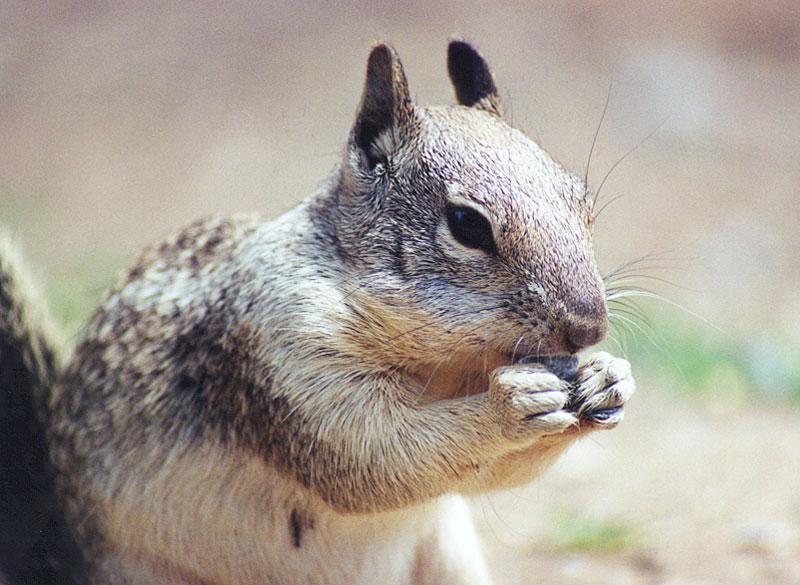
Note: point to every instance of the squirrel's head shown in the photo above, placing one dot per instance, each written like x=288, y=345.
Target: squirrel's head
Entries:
x=460, y=234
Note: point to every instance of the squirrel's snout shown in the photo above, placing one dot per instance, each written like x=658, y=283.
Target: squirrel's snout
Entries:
x=585, y=325
x=581, y=334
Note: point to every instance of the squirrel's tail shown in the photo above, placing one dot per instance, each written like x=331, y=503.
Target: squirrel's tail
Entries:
x=35, y=545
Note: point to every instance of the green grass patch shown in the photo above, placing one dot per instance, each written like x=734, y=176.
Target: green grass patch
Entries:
x=576, y=532
x=74, y=297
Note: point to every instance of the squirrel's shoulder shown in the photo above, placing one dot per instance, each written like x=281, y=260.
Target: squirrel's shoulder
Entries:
x=216, y=242
x=197, y=244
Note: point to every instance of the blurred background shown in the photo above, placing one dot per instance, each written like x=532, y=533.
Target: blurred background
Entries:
x=120, y=123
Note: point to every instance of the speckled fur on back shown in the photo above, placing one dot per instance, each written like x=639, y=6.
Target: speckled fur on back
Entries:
x=300, y=400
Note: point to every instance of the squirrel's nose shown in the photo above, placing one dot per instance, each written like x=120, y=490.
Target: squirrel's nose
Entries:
x=585, y=327
x=581, y=334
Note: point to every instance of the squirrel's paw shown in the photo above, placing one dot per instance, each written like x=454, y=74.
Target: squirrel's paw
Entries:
x=603, y=386
x=530, y=402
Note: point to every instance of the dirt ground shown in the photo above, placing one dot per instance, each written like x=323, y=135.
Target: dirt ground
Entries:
x=120, y=122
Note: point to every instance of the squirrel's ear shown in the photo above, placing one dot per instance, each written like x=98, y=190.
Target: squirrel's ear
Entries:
x=472, y=79
x=385, y=103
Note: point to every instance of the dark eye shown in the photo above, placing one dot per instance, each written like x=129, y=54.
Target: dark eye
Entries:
x=470, y=228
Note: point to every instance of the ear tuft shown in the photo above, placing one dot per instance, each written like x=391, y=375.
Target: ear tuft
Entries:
x=385, y=103
x=472, y=78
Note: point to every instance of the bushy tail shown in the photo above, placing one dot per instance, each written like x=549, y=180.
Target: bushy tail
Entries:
x=35, y=545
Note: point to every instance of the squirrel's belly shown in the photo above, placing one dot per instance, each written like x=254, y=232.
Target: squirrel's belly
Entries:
x=217, y=518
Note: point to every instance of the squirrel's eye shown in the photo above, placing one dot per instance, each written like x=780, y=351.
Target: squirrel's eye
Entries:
x=470, y=228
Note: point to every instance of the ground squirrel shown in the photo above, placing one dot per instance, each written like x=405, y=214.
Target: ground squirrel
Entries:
x=305, y=400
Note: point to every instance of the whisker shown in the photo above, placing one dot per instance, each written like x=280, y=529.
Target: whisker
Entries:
x=635, y=272
x=633, y=308
x=635, y=316
x=639, y=276
x=351, y=292
x=516, y=347
x=507, y=526
x=485, y=364
x=640, y=329
x=596, y=214
x=438, y=365
x=597, y=131
x=624, y=156
x=646, y=294
x=624, y=329
x=482, y=498
x=616, y=342
x=639, y=264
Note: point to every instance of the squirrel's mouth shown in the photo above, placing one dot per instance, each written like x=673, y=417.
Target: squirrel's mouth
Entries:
x=563, y=366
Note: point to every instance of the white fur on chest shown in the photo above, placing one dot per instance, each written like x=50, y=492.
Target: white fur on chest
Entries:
x=222, y=519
